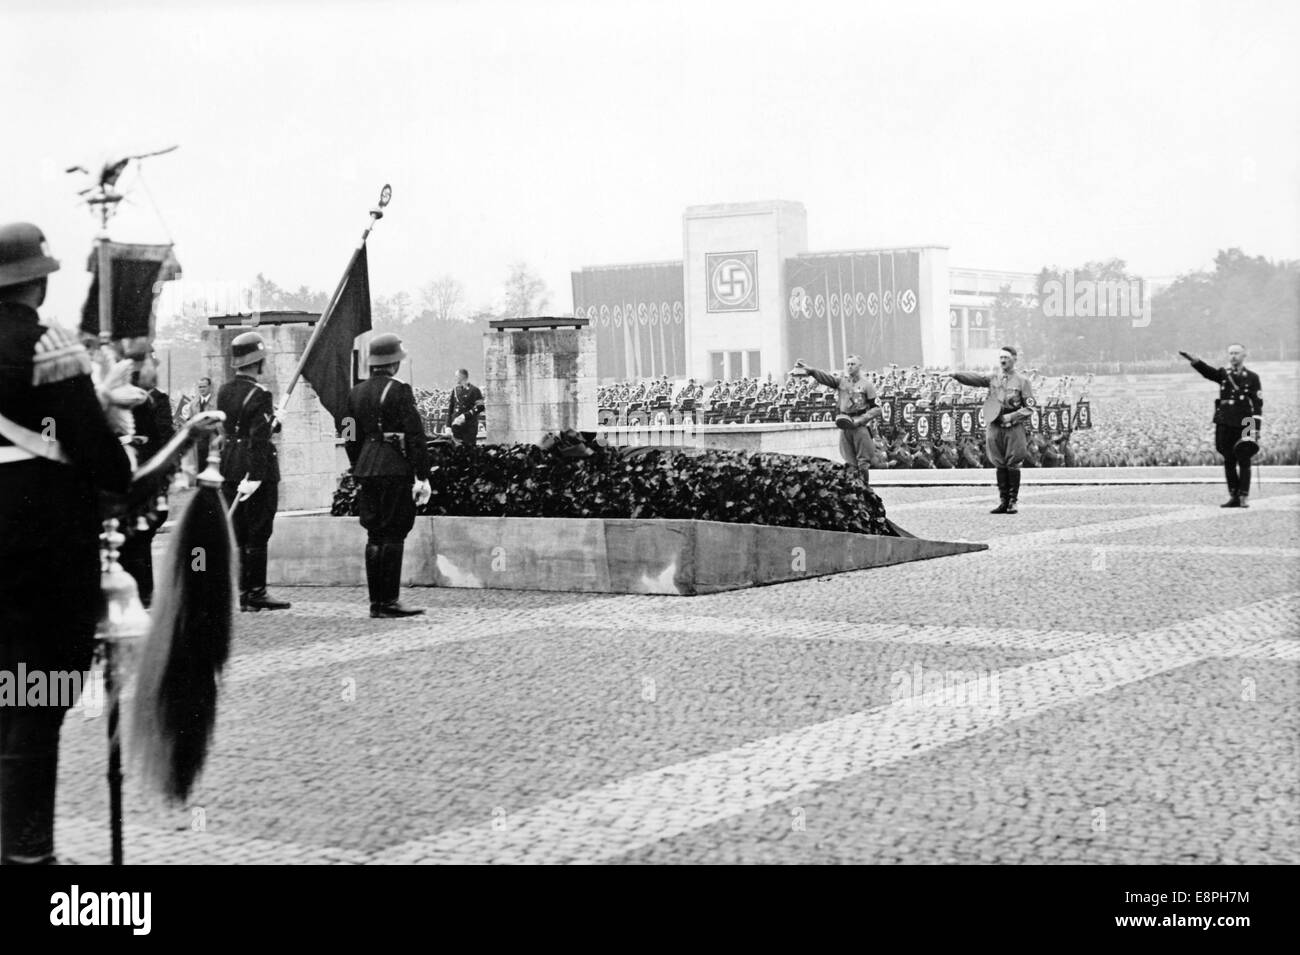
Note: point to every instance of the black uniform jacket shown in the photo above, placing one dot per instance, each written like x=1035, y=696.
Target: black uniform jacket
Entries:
x=370, y=454
x=153, y=422
x=465, y=400
x=1240, y=394
x=63, y=404
x=247, y=449
x=49, y=511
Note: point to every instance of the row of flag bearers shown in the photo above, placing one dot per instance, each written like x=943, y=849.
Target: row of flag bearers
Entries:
x=385, y=443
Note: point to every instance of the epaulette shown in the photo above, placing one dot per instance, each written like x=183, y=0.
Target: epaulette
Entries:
x=58, y=357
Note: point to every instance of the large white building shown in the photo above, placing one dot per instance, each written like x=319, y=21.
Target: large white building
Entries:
x=748, y=298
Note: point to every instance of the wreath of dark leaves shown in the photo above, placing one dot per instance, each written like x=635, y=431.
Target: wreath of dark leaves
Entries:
x=523, y=480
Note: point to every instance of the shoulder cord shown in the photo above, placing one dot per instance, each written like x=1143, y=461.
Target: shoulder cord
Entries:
x=379, y=412
x=239, y=422
x=1232, y=383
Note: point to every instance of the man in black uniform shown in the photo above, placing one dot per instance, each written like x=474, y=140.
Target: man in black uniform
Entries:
x=390, y=461
x=250, y=467
x=1007, y=410
x=153, y=429
x=57, y=452
x=1238, y=417
x=463, y=409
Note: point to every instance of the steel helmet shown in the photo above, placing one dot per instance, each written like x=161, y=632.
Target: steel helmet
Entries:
x=385, y=349
x=247, y=349
x=24, y=254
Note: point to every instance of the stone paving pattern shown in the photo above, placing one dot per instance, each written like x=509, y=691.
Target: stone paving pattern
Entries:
x=1116, y=680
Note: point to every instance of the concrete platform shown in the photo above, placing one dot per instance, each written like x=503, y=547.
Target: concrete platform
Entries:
x=587, y=555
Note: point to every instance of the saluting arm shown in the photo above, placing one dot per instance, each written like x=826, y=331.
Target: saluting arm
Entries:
x=970, y=379
x=823, y=377
x=1213, y=374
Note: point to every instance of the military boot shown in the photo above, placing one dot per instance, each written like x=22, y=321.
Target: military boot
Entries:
x=27, y=789
x=390, y=561
x=1243, y=499
x=374, y=576
x=1004, y=492
x=257, y=597
x=1013, y=489
x=1234, y=499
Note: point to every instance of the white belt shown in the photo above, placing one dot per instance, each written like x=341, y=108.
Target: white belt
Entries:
x=11, y=453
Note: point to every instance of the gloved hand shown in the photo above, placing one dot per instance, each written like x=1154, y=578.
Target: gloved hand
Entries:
x=117, y=396
x=247, y=489
x=458, y=420
x=421, y=492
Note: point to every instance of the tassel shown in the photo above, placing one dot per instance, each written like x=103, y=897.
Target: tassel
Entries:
x=188, y=644
x=57, y=357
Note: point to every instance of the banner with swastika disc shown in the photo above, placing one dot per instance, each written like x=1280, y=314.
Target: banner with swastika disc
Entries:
x=636, y=312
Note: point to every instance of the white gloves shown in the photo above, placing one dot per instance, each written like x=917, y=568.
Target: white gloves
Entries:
x=117, y=396
x=421, y=492
x=247, y=489
x=458, y=420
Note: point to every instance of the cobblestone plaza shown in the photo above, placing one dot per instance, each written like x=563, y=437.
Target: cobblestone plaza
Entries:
x=1116, y=680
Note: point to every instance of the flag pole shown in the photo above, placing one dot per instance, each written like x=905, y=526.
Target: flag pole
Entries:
x=377, y=213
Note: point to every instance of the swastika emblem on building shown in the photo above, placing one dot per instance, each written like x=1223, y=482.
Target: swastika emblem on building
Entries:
x=873, y=304
x=907, y=301
x=889, y=302
x=799, y=306
x=732, y=281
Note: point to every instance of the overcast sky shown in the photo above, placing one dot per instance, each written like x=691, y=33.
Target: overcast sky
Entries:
x=567, y=134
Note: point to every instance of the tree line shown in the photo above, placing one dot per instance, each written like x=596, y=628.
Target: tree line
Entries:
x=1244, y=298
x=439, y=328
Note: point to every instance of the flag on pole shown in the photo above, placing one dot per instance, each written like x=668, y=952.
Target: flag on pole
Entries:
x=328, y=363
x=138, y=273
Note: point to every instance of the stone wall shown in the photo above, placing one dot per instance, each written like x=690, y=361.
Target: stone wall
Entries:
x=819, y=439
x=311, y=458
x=587, y=555
x=538, y=380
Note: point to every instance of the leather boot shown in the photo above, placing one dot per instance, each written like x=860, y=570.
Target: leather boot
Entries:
x=374, y=575
x=1013, y=489
x=1004, y=491
x=1243, y=499
x=27, y=789
x=391, y=563
x=257, y=597
x=1234, y=499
